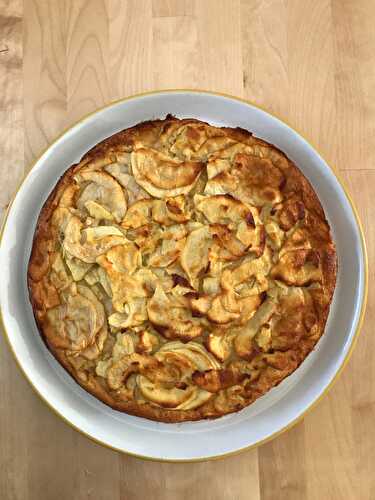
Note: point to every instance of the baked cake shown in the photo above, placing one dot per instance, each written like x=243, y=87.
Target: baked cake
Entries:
x=180, y=271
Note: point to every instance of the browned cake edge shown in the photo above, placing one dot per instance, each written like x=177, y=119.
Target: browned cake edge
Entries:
x=39, y=264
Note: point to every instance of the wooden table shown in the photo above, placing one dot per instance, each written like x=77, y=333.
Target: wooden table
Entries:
x=310, y=61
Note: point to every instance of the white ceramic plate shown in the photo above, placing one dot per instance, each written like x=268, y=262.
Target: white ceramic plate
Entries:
x=269, y=415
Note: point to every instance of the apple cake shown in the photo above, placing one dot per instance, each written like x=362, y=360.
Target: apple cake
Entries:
x=180, y=271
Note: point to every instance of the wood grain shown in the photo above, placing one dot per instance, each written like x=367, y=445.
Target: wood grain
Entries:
x=130, y=43
x=312, y=63
x=172, y=8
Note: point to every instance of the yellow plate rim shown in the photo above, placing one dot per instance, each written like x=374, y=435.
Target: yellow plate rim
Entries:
x=360, y=320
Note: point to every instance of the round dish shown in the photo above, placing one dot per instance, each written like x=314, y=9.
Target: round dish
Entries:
x=270, y=414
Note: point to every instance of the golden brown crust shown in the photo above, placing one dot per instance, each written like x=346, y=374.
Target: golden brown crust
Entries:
x=203, y=320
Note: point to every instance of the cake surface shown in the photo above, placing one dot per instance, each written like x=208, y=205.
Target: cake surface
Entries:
x=181, y=270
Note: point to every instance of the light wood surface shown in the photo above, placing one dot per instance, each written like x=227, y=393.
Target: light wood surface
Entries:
x=310, y=61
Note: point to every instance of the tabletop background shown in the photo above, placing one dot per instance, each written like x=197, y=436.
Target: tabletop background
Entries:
x=312, y=62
